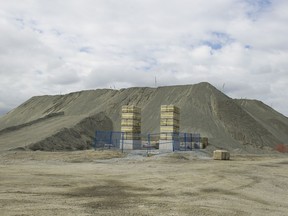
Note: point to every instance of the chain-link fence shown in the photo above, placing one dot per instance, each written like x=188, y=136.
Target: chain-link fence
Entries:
x=115, y=140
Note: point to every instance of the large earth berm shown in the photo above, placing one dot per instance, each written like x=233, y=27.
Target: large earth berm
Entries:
x=68, y=122
x=79, y=137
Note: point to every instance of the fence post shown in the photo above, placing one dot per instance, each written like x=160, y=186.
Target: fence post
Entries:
x=122, y=139
x=173, y=135
x=111, y=134
x=185, y=141
x=149, y=139
x=95, y=141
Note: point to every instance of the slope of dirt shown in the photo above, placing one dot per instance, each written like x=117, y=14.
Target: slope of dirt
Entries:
x=228, y=123
x=267, y=117
x=79, y=137
x=57, y=133
x=18, y=127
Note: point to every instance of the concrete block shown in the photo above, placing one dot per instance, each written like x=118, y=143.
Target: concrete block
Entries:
x=131, y=144
x=169, y=145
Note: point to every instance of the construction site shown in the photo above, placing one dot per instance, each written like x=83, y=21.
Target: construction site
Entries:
x=175, y=150
x=169, y=139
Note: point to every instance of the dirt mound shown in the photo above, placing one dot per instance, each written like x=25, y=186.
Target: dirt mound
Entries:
x=79, y=137
x=20, y=126
x=246, y=125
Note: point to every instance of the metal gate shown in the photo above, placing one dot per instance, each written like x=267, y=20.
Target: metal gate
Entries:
x=108, y=140
x=179, y=141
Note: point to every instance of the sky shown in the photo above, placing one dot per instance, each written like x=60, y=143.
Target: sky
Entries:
x=57, y=47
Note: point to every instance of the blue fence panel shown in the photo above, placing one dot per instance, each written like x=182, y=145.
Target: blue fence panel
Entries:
x=108, y=140
x=180, y=141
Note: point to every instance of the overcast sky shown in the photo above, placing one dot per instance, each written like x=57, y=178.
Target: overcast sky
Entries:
x=61, y=46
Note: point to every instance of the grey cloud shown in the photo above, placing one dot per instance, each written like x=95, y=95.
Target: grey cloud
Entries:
x=49, y=47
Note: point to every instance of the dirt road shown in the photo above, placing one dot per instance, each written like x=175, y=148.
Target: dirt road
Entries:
x=107, y=183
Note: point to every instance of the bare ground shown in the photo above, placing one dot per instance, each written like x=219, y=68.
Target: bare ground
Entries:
x=110, y=183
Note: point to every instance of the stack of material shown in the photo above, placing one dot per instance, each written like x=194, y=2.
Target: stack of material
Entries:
x=169, y=121
x=131, y=122
x=221, y=155
x=169, y=128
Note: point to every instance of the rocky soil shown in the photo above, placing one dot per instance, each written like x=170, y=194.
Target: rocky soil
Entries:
x=112, y=183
